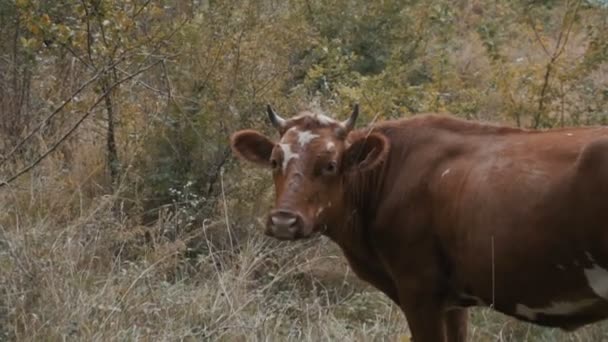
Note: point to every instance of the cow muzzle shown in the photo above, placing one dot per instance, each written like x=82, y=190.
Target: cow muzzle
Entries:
x=284, y=225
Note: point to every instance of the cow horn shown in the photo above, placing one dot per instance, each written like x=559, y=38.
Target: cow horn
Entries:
x=277, y=121
x=349, y=124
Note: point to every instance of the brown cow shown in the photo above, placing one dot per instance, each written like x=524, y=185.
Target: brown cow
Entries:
x=442, y=214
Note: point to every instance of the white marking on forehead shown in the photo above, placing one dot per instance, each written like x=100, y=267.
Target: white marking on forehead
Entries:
x=561, y=267
x=555, y=308
x=445, y=172
x=597, y=278
x=287, y=155
x=330, y=145
x=304, y=137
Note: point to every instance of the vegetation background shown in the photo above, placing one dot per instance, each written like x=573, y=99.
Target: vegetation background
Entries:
x=124, y=215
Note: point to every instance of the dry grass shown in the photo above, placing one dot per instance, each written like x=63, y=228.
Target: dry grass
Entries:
x=96, y=277
x=88, y=275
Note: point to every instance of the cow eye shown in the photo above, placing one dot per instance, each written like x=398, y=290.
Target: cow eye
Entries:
x=330, y=168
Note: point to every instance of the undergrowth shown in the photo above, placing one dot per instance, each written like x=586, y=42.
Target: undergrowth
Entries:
x=100, y=276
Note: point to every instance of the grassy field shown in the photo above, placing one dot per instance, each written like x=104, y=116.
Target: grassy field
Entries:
x=71, y=271
x=117, y=115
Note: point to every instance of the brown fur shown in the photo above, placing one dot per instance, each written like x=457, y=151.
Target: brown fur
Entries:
x=450, y=214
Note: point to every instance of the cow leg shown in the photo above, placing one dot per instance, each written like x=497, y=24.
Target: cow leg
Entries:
x=456, y=322
x=426, y=321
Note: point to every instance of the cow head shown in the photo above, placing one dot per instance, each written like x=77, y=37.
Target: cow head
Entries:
x=310, y=163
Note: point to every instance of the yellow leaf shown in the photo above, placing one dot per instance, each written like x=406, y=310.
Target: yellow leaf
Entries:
x=31, y=43
x=46, y=20
x=34, y=29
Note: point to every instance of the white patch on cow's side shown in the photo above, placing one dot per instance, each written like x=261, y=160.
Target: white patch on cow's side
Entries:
x=597, y=278
x=319, y=211
x=469, y=300
x=445, y=172
x=555, y=308
x=561, y=267
x=304, y=137
x=525, y=311
x=569, y=134
x=287, y=155
x=324, y=120
x=475, y=299
x=330, y=146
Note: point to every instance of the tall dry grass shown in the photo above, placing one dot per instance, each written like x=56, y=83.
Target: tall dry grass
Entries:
x=72, y=269
x=76, y=267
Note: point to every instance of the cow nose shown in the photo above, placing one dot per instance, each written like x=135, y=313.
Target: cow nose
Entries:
x=284, y=224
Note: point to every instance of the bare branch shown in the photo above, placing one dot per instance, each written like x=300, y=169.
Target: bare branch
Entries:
x=76, y=125
x=568, y=30
x=168, y=84
x=138, y=12
x=56, y=111
x=536, y=35
x=560, y=46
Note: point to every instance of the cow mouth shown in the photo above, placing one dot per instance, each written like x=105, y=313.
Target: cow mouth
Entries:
x=287, y=235
x=280, y=236
x=294, y=237
x=297, y=235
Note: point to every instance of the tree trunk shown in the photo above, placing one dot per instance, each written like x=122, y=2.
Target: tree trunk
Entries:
x=113, y=161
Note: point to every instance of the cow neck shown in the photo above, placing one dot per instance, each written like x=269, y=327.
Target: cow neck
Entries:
x=361, y=194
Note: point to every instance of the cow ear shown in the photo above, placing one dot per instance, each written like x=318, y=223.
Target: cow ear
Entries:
x=252, y=146
x=366, y=152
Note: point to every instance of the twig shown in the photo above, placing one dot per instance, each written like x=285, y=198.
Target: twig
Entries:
x=217, y=172
x=536, y=35
x=493, y=277
x=567, y=35
x=159, y=91
x=168, y=84
x=141, y=9
x=226, y=210
x=560, y=46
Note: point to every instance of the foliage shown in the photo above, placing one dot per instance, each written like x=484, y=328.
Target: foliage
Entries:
x=134, y=101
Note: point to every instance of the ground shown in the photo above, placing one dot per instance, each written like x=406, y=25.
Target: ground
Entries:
x=96, y=278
